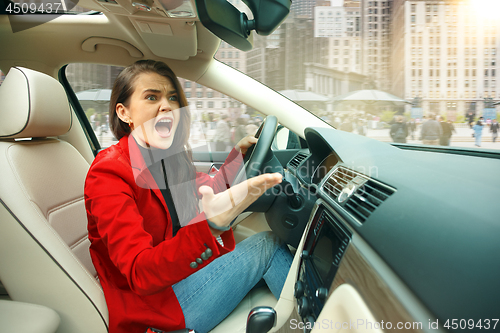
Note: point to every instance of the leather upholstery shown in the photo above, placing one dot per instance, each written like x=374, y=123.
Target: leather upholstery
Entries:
x=44, y=256
x=32, y=104
x=24, y=317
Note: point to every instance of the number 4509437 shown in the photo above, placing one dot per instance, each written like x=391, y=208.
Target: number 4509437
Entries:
x=31, y=8
x=484, y=324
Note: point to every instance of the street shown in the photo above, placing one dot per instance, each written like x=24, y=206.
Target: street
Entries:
x=462, y=138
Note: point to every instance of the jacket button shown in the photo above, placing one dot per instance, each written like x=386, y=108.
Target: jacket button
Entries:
x=208, y=252
x=199, y=261
x=204, y=256
x=193, y=265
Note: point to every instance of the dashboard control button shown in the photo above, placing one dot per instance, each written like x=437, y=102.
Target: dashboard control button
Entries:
x=304, y=306
x=304, y=255
x=322, y=293
x=299, y=289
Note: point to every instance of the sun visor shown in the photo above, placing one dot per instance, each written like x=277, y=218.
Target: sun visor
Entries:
x=173, y=39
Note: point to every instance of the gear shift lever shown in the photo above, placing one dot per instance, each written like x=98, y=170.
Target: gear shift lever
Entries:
x=261, y=319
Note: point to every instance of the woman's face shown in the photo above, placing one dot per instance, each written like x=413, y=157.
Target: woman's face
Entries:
x=153, y=109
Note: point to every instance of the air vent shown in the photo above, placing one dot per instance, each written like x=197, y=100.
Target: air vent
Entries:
x=358, y=194
x=297, y=159
x=338, y=181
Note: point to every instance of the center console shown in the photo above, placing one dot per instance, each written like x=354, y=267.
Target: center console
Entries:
x=324, y=247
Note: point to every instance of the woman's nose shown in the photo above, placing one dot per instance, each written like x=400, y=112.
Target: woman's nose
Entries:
x=165, y=105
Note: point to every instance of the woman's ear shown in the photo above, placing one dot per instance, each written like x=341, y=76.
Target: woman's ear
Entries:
x=122, y=113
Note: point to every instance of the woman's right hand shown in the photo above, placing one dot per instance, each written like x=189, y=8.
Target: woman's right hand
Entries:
x=224, y=207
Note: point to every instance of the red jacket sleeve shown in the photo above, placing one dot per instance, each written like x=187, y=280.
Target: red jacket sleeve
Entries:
x=119, y=214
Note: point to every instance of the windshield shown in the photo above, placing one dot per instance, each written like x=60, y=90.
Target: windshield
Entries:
x=417, y=72
x=407, y=72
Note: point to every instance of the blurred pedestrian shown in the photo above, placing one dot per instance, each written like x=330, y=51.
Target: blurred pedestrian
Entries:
x=431, y=131
x=452, y=128
x=223, y=134
x=240, y=130
x=336, y=122
x=412, y=128
x=494, y=130
x=361, y=127
x=346, y=125
x=444, y=139
x=478, y=131
x=470, y=118
x=251, y=128
x=399, y=130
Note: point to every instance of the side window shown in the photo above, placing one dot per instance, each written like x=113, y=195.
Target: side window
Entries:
x=92, y=85
x=218, y=121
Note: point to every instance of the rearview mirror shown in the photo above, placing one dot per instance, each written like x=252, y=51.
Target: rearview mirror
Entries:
x=229, y=24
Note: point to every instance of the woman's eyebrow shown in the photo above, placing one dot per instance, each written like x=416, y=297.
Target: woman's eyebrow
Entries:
x=152, y=90
x=158, y=91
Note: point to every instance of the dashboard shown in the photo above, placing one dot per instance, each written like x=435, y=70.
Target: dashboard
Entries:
x=415, y=232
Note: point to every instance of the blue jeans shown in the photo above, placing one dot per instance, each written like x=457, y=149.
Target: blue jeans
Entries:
x=478, y=139
x=211, y=294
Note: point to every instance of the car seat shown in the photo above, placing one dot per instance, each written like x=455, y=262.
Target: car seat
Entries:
x=44, y=257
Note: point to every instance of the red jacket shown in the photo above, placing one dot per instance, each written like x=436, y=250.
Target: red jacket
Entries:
x=132, y=248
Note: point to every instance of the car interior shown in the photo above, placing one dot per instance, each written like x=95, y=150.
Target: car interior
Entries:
x=382, y=234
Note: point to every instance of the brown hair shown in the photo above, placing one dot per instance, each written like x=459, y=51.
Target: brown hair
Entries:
x=180, y=168
x=124, y=87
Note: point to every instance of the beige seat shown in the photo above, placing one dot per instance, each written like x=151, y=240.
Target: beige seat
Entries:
x=44, y=257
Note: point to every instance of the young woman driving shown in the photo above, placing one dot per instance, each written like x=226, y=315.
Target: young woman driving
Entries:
x=164, y=262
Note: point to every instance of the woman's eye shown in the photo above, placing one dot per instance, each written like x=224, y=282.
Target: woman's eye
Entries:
x=151, y=97
x=173, y=98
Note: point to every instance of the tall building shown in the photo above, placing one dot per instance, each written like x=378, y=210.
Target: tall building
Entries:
x=330, y=21
x=341, y=24
x=231, y=56
x=376, y=41
x=283, y=67
x=203, y=99
x=445, y=54
x=302, y=9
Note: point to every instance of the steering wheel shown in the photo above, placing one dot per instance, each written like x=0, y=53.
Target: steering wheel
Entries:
x=260, y=152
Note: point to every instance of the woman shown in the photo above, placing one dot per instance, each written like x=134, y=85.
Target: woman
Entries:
x=162, y=261
x=478, y=131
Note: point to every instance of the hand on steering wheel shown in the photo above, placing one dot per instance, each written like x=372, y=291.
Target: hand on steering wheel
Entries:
x=261, y=152
x=246, y=143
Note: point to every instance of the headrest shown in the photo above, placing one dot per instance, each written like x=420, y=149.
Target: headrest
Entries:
x=32, y=104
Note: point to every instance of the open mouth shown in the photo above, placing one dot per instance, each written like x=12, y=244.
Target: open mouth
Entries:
x=164, y=126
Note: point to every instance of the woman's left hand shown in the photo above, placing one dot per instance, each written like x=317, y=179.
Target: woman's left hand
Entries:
x=245, y=143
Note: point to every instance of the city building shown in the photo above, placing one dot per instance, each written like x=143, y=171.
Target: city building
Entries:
x=340, y=23
x=203, y=100
x=83, y=76
x=283, y=68
x=302, y=9
x=446, y=55
x=376, y=42
x=330, y=21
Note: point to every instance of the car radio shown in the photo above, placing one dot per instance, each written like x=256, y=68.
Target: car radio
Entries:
x=326, y=243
